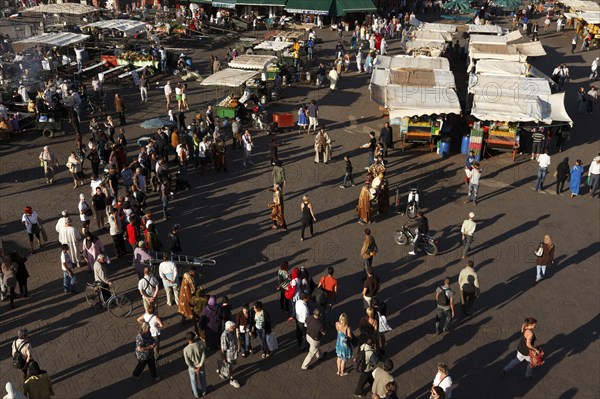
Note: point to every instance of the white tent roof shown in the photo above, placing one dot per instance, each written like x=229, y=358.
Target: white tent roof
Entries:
x=435, y=96
x=128, y=26
x=492, y=67
x=425, y=45
x=486, y=29
x=495, y=52
x=510, y=98
x=558, y=112
x=382, y=62
x=228, y=77
x=582, y=5
x=487, y=39
x=273, y=46
x=591, y=17
x=55, y=39
x=430, y=36
x=65, y=8
x=438, y=27
x=419, y=62
x=514, y=35
x=531, y=49
x=256, y=62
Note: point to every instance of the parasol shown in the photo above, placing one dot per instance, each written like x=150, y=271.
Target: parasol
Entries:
x=458, y=5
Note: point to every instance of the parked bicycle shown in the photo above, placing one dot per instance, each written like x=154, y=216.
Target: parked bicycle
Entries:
x=95, y=104
x=117, y=305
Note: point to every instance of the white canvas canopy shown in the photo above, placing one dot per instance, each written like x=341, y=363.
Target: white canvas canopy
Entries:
x=65, y=8
x=487, y=39
x=558, y=113
x=382, y=62
x=54, y=39
x=128, y=26
x=514, y=35
x=420, y=62
x=531, y=49
x=437, y=37
x=513, y=68
x=273, y=45
x=579, y=5
x=256, y=62
x=510, y=98
x=494, y=52
x=438, y=27
x=591, y=17
x=229, y=77
x=411, y=87
x=435, y=49
x=486, y=29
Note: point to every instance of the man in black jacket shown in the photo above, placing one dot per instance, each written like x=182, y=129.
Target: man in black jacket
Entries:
x=314, y=331
x=421, y=225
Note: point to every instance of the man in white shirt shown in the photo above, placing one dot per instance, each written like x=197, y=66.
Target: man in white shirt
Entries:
x=543, y=162
x=168, y=94
x=469, y=287
x=301, y=312
x=474, y=174
x=467, y=230
x=79, y=57
x=594, y=172
x=148, y=287
x=66, y=264
x=167, y=270
x=61, y=224
x=594, y=69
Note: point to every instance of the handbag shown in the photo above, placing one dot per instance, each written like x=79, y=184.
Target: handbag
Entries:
x=272, y=342
x=539, y=251
x=536, y=360
x=223, y=368
x=88, y=211
x=383, y=324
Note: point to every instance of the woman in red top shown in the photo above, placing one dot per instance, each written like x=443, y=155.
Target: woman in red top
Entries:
x=132, y=234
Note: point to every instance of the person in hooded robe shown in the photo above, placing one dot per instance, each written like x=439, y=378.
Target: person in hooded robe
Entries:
x=363, y=209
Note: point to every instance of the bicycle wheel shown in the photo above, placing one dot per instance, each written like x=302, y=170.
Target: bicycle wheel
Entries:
x=91, y=295
x=120, y=306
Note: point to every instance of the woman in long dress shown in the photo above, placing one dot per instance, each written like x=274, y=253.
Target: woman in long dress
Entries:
x=186, y=292
x=575, y=181
x=302, y=118
x=277, y=209
x=359, y=58
x=210, y=323
x=91, y=248
x=322, y=147
x=363, y=209
x=333, y=79
x=343, y=350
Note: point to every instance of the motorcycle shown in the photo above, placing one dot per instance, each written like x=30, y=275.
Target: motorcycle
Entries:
x=413, y=203
x=406, y=236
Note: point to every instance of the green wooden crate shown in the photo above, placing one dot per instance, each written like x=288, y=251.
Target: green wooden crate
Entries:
x=226, y=112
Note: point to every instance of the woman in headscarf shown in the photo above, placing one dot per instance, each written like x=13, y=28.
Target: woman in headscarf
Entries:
x=91, y=248
x=322, y=147
x=544, y=257
x=71, y=236
x=12, y=392
x=186, y=292
x=199, y=301
x=76, y=169
x=363, y=209
x=277, y=209
x=38, y=384
x=383, y=196
x=49, y=162
x=152, y=240
x=33, y=226
x=210, y=323
x=575, y=181
x=562, y=173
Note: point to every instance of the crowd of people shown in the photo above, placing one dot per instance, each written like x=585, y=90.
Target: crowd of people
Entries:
x=119, y=195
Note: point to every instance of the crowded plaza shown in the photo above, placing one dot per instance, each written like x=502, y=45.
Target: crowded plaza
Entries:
x=231, y=198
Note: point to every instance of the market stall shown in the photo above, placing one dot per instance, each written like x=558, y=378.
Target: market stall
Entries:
x=236, y=82
x=63, y=39
x=64, y=8
x=486, y=29
x=502, y=102
x=415, y=91
x=253, y=62
x=127, y=26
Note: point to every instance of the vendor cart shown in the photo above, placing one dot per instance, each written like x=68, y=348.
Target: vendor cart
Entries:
x=50, y=127
x=282, y=120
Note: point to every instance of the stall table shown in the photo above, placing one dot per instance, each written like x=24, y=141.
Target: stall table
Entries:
x=502, y=140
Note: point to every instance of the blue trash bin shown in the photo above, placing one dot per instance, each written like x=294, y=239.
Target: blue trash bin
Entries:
x=464, y=147
x=444, y=147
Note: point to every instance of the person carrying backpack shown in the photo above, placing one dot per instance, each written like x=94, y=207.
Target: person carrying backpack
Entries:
x=22, y=352
x=445, y=306
x=364, y=363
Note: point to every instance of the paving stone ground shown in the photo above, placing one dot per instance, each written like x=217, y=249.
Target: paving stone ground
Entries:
x=89, y=354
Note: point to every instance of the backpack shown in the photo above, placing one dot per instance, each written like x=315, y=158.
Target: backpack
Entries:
x=373, y=248
x=19, y=361
x=443, y=299
x=360, y=361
